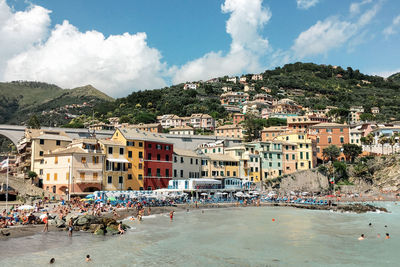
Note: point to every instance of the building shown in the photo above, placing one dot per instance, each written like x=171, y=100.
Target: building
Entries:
x=116, y=166
x=289, y=153
x=44, y=142
x=186, y=164
x=197, y=121
x=227, y=89
x=270, y=133
x=219, y=166
x=286, y=106
x=263, y=98
x=192, y=86
x=150, y=156
x=306, y=150
x=234, y=98
x=149, y=127
x=77, y=168
x=183, y=130
x=257, y=77
x=355, y=112
x=326, y=134
x=355, y=136
x=232, y=79
x=300, y=124
x=266, y=89
x=169, y=120
x=101, y=126
x=217, y=147
x=238, y=118
x=243, y=79
x=375, y=110
x=271, y=158
x=248, y=88
x=230, y=130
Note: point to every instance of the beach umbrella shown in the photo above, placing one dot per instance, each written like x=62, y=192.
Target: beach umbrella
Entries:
x=26, y=207
x=203, y=194
x=90, y=196
x=219, y=193
x=43, y=216
x=224, y=193
x=111, y=198
x=239, y=194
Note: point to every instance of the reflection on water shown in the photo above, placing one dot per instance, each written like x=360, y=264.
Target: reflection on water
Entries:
x=224, y=237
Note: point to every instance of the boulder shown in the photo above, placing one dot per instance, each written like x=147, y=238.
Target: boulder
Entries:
x=94, y=227
x=71, y=216
x=60, y=223
x=81, y=221
x=99, y=232
x=112, y=229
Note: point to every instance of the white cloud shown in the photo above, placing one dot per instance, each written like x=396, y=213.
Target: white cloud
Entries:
x=306, y=4
x=70, y=58
x=355, y=8
x=331, y=33
x=391, y=29
x=386, y=73
x=20, y=30
x=247, y=47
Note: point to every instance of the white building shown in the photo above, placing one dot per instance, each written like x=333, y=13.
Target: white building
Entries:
x=186, y=164
x=183, y=130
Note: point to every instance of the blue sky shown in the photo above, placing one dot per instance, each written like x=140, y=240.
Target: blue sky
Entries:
x=68, y=42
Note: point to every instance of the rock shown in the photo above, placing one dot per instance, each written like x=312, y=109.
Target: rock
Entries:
x=99, y=232
x=81, y=221
x=94, y=227
x=112, y=229
x=71, y=216
x=107, y=221
x=60, y=223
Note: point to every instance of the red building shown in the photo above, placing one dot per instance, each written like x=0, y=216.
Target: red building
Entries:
x=237, y=118
x=157, y=164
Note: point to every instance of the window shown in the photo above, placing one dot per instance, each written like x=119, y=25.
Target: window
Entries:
x=121, y=180
x=167, y=173
x=141, y=188
x=181, y=173
x=175, y=173
x=140, y=166
x=55, y=177
x=342, y=139
x=158, y=147
x=166, y=147
x=67, y=176
x=82, y=175
x=95, y=175
x=191, y=160
x=279, y=164
x=256, y=169
x=158, y=157
x=329, y=140
x=109, y=179
x=228, y=173
x=302, y=164
x=140, y=177
x=293, y=157
x=41, y=171
x=48, y=177
x=42, y=161
x=287, y=157
x=278, y=156
x=149, y=156
x=301, y=145
x=140, y=154
x=42, y=141
x=182, y=160
x=166, y=157
x=301, y=155
x=307, y=156
x=341, y=130
x=175, y=159
x=83, y=160
x=141, y=145
x=95, y=159
x=222, y=173
x=149, y=145
x=121, y=150
x=129, y=176
x=129, y=154
x=55, y=160
x=197, y=161
x=58, y=142
x=110, y=150
x=149, y=172
x=234, y=174
x=41, y=153
x=318, y=149
x=158, y=173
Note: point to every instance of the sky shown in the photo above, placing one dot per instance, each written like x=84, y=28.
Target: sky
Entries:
x=128, y=45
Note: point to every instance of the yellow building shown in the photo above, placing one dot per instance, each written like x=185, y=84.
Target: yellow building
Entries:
x=220, y=166
x=306, y=150
x=44, y=142
x=116, y=166
x=134, y=153
x=249, y=161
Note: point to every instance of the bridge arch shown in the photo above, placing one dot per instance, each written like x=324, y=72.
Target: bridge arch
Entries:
x=11, y=136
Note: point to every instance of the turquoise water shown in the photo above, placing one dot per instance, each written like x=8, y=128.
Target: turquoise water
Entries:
x=225, y=237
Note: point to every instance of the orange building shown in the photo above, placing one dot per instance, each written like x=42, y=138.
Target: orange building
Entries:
x=299, y=124
x=269, y=134
x=326, y=134
x=237, y=118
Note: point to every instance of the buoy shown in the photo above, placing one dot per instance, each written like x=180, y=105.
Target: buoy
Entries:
x=273, y=220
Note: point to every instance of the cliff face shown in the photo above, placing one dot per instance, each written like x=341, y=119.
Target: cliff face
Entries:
x=302, y=181
x=381, y=173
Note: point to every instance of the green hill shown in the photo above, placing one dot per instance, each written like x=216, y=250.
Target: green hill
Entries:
x=311, y=85
x=395, y=78
x=19, y=100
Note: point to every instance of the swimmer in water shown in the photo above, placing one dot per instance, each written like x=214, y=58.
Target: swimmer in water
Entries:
x=378, y=235
x=370, y=224
x=387, y=236
x=53, y=260
x=171, y=215
x=361, y=237
x=88, y=258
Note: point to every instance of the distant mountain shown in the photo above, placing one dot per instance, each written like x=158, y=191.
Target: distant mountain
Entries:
x=19, y=100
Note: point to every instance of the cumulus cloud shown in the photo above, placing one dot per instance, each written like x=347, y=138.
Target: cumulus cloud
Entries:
x=355, y=8
x=247, y=47
x=306, y=4
x=71, y=58
x=331, y=33
x=391, y=29
x=20, y=30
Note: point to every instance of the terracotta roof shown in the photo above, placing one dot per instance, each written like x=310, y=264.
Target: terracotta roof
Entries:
x=330, y=125
x=229, y=126
x=221, y=157
x=69, y=150
x=275, y=128
x=185, y=152
x=111, y=142
x=181, y=128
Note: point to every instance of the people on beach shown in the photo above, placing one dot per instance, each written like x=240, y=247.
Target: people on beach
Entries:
x=387, y=236
x=361, y=237
x=46, y=222
x=120, y=228
x=88, y=258
x=70, y=228
x=171, y=215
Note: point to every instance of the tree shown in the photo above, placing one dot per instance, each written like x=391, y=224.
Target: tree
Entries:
x=382, y=140
x=332, y=152
x=32, y=175
x=340, y=171
x=351, y=151
x=33, y=122
x=368, y=140
x=253, y=127
x=392, y=141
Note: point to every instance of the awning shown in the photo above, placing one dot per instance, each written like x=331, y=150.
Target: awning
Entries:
x=119, y=160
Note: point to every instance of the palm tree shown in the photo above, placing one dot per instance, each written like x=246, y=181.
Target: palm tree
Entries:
x=392, y=141
x=382, y=140
x=368, y=141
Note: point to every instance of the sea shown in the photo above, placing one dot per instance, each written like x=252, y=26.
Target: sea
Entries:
x=251, y=236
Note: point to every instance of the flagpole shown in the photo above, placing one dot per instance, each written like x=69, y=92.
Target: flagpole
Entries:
x=8, y=163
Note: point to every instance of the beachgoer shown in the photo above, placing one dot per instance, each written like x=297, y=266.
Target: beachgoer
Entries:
x=70, y=228
x=120, y=228
x=52, y=260
x=171, y=215
x=46, y=223
x=148, y=211
x=361, y=237
x=387, y=236
x=88, y=258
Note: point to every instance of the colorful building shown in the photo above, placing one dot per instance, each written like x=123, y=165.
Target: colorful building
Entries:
x=230, y=130
x=186, y=164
